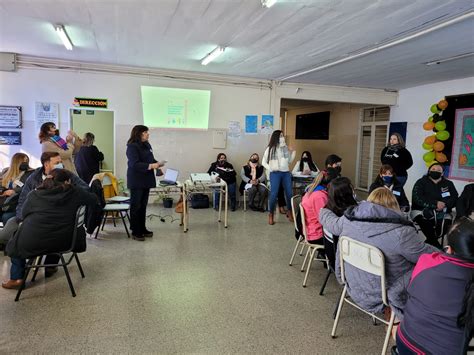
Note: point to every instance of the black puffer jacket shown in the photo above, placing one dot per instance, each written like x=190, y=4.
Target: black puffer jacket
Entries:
x=48, y=222
x=226, y=172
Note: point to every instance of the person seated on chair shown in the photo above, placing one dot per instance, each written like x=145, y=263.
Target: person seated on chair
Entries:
x=226, y=172
x=305, y=166
x=380, y=223
x=439, y=314
x=465, y=204
x=49, y=161
x=433, y=198
x=314, y=199
x=334, y=164
x=48, y=216
x=387, y=178
x=13, y=180
x=253, y=181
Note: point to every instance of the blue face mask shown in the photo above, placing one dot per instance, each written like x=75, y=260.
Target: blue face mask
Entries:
x=387, y=179
x=58, y=166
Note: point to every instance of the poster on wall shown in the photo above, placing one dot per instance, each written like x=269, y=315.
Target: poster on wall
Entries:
x=267, y=124
x=46, y=112
x=10, y=138
x=462, y=155
x=10, y=116
x=234, y=129
x=251, y=124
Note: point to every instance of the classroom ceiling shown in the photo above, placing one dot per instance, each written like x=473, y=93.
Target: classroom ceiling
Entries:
x=268, y=43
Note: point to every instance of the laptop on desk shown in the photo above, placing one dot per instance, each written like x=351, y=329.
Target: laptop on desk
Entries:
x=171, y=176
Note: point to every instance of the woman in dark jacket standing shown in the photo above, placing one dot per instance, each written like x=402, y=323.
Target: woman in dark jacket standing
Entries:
x=88, y=158
x=140, y=179
x=388, y=179
x=398, y=157
x=48, y=215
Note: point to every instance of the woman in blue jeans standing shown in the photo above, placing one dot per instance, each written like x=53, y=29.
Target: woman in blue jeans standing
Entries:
x=276, y=160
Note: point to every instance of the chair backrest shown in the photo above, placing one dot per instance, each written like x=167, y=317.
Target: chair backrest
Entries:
x=364, y=257
x=295, y=206
x=79, y=222
x=303, y=222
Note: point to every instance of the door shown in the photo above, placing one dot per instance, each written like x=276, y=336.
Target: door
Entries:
x=101, y=124
x=372, y=139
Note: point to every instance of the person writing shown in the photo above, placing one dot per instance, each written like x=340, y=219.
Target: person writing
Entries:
x=397, y=156
x=140, y=179
x=305, y=166
x=253, y=180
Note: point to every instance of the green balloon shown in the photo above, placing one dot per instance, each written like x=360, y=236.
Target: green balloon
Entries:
x=427, y=146
x=440, y=125
x=442, y=135
x=434, y=108
x=430, y=156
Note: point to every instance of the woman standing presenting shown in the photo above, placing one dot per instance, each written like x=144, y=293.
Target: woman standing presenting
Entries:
x=398, y=157
x=276, y=160
x=140, y=178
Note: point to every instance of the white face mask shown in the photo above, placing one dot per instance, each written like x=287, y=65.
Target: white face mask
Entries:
x=58, y=166
x=282, y=141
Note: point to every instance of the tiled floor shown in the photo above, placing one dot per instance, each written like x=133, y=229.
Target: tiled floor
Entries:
x=211, y=290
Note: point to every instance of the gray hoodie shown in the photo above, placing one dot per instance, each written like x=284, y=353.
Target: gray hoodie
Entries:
x=398, y=240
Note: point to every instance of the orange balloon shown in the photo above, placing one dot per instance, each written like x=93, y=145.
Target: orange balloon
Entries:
x=462, y=159
x=438, y=146
x=442, y=104
x=428, y=126
x=430, y=140
x=441, y=157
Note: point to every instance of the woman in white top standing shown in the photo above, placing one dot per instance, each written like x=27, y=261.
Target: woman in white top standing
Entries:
x=276, y=160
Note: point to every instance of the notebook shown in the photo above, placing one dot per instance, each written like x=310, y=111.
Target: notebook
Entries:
x=171, y=176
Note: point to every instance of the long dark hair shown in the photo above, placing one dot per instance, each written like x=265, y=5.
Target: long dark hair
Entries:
x=57, y=180
x=461, y=240
x=219, y=155
x=136, y=134
x=273, y=144
x=44, y=131
x=311, y=164
x=340, y=195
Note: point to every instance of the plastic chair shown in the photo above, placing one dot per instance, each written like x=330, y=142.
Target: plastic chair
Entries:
x=330, y=247
x=295, y=206
x=312, y=248
x=35, y=262
x=369, y=259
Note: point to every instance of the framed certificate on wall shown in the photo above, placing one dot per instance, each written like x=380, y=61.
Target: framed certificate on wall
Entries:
x=10, y=117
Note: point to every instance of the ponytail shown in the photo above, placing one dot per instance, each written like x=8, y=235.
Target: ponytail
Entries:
x=317, y=181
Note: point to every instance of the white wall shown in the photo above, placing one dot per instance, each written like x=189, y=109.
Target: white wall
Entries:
x=188, y=151
x=414, y=107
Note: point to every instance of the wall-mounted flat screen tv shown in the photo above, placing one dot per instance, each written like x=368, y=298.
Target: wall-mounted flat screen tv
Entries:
x=313, y=126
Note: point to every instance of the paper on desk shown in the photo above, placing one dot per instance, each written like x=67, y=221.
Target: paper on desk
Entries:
x=248, y=186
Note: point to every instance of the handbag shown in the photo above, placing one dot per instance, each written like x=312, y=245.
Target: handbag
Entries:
x=179, y=206
x=199, y=201
x=10, y=203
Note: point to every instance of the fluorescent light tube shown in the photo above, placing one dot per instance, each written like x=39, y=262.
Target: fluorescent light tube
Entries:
x=61, y=31
x=268, y=3
x=213, y=55
x=459, y=56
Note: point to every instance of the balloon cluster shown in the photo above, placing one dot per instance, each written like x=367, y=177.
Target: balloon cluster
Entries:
x=434, y=143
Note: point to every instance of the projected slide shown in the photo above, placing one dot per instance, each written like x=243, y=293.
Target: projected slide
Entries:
x=175, y=108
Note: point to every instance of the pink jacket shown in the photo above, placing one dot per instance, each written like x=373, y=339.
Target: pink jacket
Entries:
x=312, y=204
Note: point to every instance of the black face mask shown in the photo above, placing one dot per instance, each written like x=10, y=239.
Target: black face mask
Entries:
x=221, y=162
x=24, y=166
x=435, y=175
x=305, y=160
x=332, y=174
x=334, y=171
x=255, y=161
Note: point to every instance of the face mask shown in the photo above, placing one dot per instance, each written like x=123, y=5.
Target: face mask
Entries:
x=435, y=175
x=58, y=166
x=387, y=179
x=305, y=159
x=332, y=174
x=254, y=161
x=221, y=162
x=282, y=141
x=338, y=169
x=24, y=166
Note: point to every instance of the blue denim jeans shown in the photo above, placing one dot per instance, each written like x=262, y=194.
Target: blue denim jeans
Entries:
x=278, y=178
x=17, y=270
x=231, y=192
